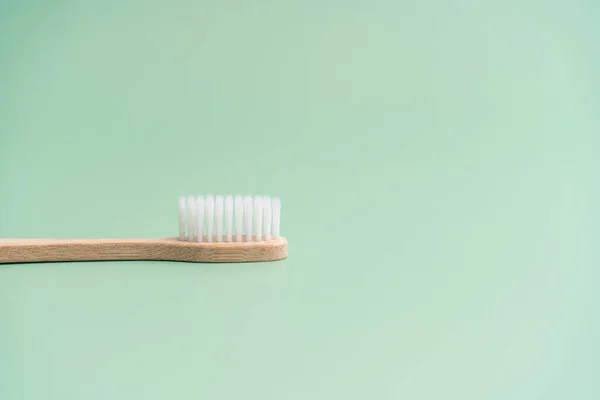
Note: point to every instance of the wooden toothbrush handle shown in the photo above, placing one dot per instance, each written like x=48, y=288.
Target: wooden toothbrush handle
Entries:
x=52, y=250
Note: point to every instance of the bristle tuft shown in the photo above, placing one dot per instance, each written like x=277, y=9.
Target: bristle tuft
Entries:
x=248, y=218
x=200, y=218
x=191, y=218
x=258, y=222
x=276, y=216
x=239, y=217
x=267, y=217
x=210, y=217
x=219, y=216
x=229, y=218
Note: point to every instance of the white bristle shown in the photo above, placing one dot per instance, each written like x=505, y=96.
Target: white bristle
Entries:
x=191, y=218
x=219, y=216
x=229, y=217
x=276, y=216
x=239, y=217
x=200, y=218
x=258, y=222
x=182, y=218
x=210, y=217
x=267, y=217
x=248, y=218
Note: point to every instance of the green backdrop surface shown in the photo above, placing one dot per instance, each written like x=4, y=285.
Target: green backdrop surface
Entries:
x=437, y=164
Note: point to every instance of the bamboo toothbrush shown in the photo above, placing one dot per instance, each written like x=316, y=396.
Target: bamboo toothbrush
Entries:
x=206, y=234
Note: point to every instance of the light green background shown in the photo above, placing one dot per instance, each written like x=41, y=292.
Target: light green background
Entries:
x=436, y=165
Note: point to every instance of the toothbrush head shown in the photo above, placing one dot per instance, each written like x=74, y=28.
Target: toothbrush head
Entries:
x=232, y=228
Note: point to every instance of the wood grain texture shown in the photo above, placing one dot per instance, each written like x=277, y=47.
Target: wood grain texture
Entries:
x=172, y=249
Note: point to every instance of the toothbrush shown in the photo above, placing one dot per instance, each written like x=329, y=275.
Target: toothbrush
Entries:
x=206, y=234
